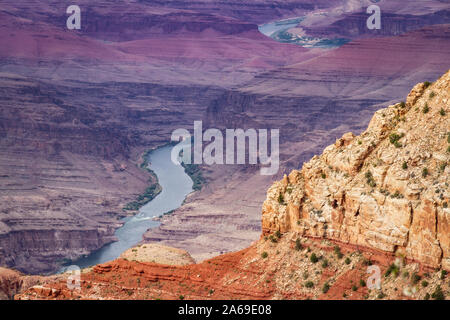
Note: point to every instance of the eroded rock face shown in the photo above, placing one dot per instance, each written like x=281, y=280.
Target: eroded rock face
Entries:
x=387, y=188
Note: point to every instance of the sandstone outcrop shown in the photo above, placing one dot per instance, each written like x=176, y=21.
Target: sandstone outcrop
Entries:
x=156, y=253
x=387, y=188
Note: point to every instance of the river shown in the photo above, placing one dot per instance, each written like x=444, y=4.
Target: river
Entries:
x=281, y=32
x=176, y=185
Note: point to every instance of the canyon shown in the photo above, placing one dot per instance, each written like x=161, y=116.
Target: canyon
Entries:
x=79, y=108
x=324, y=226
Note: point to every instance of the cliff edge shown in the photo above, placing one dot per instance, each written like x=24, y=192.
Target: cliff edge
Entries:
x=386, y=189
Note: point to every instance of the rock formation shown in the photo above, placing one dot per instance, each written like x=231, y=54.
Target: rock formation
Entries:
x=79, y=108
x=386, y=189
x=156, y=253
x=378, y=199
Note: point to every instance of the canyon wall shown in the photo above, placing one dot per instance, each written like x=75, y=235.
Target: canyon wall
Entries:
x=386, y=189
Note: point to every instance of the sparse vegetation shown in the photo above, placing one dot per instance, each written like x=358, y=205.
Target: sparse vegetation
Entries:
x=415, y=278
x=337, y=251
x=370, y=180
x=397, y=195
x=194, y=171
x=298, y=245
x=394, y=138
x=393, y=269
x=281, y=199
x=438, y=294
x=381, y=295
x=150, y=193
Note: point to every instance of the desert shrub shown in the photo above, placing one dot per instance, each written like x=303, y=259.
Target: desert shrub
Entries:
x=424, y=283
x=264, y=255
x=280, y=198
x=394, y=139
x=405, y=165
x=337, y=251
x=381, y=295
x=427, y=296
x=425, y=172
x=362, y=283
x=325, y=287
x=415, y=278
x=314, y=258
x=278, y=234
x=309, y=284
x=325, y=263
x=438, y=294
x=370, y=180
x=432, y=94
x=347, y=260
x=442, y=112
x=354, y=288
x=427, y=84
x=298, y=245
x=393, y=269
x=443, y=274
x=425, y=108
